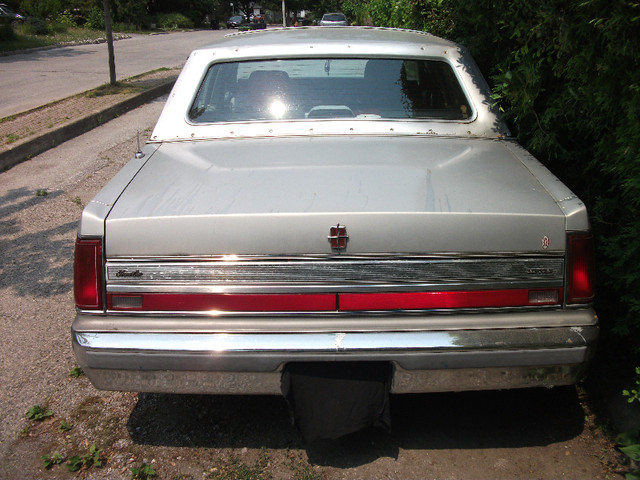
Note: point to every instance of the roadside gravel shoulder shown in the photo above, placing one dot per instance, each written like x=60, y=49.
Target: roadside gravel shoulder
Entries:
x=30, y=133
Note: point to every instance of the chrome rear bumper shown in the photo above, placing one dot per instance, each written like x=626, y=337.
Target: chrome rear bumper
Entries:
x=251, y=363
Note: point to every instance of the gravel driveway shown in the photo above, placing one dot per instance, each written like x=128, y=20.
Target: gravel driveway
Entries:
x=547, y=434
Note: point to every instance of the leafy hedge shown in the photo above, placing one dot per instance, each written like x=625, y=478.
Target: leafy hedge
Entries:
x=566, y=74
x=171, y=21
x=6, y=30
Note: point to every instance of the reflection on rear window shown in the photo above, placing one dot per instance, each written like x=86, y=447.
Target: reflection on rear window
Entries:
x=330, y=89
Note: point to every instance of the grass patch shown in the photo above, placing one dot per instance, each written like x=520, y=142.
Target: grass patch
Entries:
x=24, y=40
x=151, y=72
x=235, y=469
x=118, y=88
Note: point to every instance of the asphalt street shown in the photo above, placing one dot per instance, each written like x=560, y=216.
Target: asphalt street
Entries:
x=37, y=78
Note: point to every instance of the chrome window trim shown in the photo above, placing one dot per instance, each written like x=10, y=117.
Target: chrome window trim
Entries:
x=473, y=116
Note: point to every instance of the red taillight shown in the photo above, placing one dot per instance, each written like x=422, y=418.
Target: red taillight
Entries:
x=344, y=302
x=87, y=274
x=448, y=300
x=222, y=302
x=580, y=269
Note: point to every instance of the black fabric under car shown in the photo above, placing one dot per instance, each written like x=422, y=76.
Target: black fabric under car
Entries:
x=330, y=400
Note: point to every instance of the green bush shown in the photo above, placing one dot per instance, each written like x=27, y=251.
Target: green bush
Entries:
x=42, y=9
x=123, y=27
x=66, y=18
x=35, y=26
x=6, y=30
x=434, y=16
x=130, y=12
x=62, y=22
x=172, y=21
x=95, y=19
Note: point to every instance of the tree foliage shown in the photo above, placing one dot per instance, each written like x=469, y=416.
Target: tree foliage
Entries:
x=132, y=12
x=434, y=16
x=42, y=9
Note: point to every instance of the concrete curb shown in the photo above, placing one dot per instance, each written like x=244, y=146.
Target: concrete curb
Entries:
x=41, y=143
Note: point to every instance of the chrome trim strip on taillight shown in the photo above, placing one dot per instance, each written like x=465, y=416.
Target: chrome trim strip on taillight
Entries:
x=307, y=275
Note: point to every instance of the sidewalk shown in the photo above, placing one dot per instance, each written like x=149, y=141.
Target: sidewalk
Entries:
x=30, y=133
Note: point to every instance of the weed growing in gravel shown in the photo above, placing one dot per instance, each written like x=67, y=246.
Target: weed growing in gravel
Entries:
x=76, y=372
x=301, y=469
x=629, y=444
x=64, y=426
x=42, y=192
x=633, y=394
x=38, y=413
x=50, y=460
x=88, y=460
x=235, y=469
x=144, y=472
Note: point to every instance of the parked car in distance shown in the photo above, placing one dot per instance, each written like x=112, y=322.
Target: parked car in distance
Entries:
x=255, y=23
x=321, y=195
x=235, y=21
x=6, y=12
x=333, y=20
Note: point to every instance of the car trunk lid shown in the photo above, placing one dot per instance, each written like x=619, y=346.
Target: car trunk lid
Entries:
x=393, y=195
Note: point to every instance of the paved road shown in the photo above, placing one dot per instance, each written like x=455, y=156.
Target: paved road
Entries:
x=33, y=79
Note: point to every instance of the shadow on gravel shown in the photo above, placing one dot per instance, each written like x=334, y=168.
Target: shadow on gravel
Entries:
x=470, y=420
x=211, y=421
x=34, y=263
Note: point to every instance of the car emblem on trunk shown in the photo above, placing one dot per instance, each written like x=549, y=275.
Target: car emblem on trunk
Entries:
x=545, y=242
x=338, y=237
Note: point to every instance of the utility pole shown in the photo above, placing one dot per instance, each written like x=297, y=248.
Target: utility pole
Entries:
x=284, y=18
x=107, y=26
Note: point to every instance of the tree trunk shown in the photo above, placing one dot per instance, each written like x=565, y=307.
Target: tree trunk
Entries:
x=284, y=17
x=107, y=26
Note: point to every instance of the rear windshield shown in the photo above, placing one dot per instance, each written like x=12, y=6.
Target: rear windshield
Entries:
x=329, y=89
x=334, y=17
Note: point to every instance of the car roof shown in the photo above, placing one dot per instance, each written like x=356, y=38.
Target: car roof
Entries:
x=355, y=36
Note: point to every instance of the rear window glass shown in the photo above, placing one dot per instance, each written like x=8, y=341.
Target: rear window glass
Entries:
x=334, y=17
x=329, y=89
